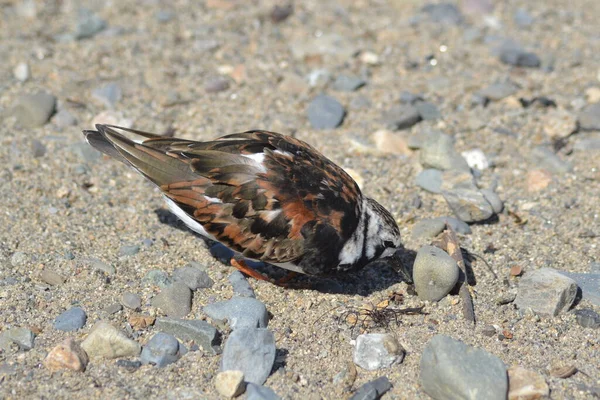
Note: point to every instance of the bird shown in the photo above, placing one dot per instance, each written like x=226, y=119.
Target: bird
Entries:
x=268, y=197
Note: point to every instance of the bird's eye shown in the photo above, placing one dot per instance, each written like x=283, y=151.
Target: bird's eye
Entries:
x=388, y=243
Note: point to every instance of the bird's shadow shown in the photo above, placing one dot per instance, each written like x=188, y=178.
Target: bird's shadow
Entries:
x=376, y=276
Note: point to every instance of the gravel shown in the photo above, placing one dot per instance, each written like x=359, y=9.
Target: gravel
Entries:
x=22, y=72
x=589, y=118
x=67, y=355
x=252, y=351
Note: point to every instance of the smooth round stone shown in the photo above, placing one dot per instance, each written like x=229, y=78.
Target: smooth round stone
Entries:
x=33, y=110
x=435, y=273
x=70, y=320
x=430, y=180
x=51, y=277
x=106, y=341
x=520, y=58
x=325, y=112
x=377, y=350
x=161, y=350
x=22, y=72
x=64, y=119
x=428, y=228
x=131, y=300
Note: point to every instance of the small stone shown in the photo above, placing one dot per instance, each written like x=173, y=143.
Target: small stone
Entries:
x=428, y=111
x=559, y=123
x=437, y=151
x=64, y=119
x=443, y=13
x=524, y=384
x=113, y=309
x=516, y=270
x=216, y=84
x=390, y=143
x=163, y=349
x=494, y=200
x=108, y=94
x=435, y=273
x=546, y=292
x=430, y=179
x=240, y=312
x=174, y=300
x=592, y=94
x=498, y=91
x=70, y=320
x=489, y=331
x=18, y=259
x=158, y=278
x=548, y=160
x=22, y=72
x=259, y=392
x=200, y=332
x=318, y=78
x=589, y=118
x=348, y=83
x=369, y=58
x=588, y=283
x=129, y=365
x=587, y=318
x=476, y=159
x=281, y=13
x=106, y=341
x=401, y=117
x=164, y=16
x=514, y=55
x=33, y=110
x=99, y=265
x=325, y=112
x=193, y=277
x=377, y=350
x=468, y=204
x=230, y=383
x=522, y=18
x=51, y=278
x=538, y=180
x=456, y=224
x=88, y=24
x=131, y=300
x=240, y=285
x=409, y=98
x=452, y=370
x=141, y=321
x=372, y=390
x=38, y=149
x=428, y=228
x=360, y=103
x=22, y=337
x=66, y=355
x=252, y=351
x=129, y=250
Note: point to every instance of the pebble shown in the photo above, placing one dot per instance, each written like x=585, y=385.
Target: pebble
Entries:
x=18, y=259
x=241, y=286
x=70, y=320
x=129, y=365
x=372, y=390
x=360, y=103
x=498, y=91
x=516, y=56
x=108, y=94
x=489, y=331
x=85, y=152
x=252, y=351
x=21, y=72
x=559, y=123
x=325, y=112
x=63, y=119
x=230, y=383
x=428, y=228
x=443, y=13
x=193, y=277
x=546, y=292
x=409, y=98
x=33, y=110
x=587, y=318
x=158, y=278
x=113, y=309
x=259, y=392
x=348, y=83
x=331, y=44
x=38, y=149
x=216, y=84
x=99, y=265
x=163, y=349
x=545, y=158
x=22, y=337
x=427, y=111
x=129, y=250
x=588, y=283
x=587, y=144
x=51, y=278
x=538, y=180
x=525, y=384
x=430, y=179
x=589, y=117
x=476, y=159
x=88, y=24
x=435, y=273
x=522, y=18
x=377, y=350
x=240, y=312
x=390, y=143
x=437, y=151
x=200, y=332
x=318, y=78
x=451, y=369
x=494, y=200
x=164, y=16
x=468, y=204
x=106, y=341
x=281, y=13
x=67, y=355
x=174, y=300
x=131, y=300
x=401, y=117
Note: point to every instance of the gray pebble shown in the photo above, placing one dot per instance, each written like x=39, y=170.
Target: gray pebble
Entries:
x=108, y=94
x=435, y=273
x=377, y=350
x=347, y=83
x=33, y=110
x=216, y=84
x=372, y=390
x=70, y=320
x=498, y=91
x=452, y=370
x=148, y=242
x=69, y=255
x=430, y=179
x=546, y=292
x=443, y=13
x=493, y=199
x=437, y=151
x=587, y=318
x=22, y=337
x=428, y=111
x=22, y=72
x=158, y=278
x=85, y=152
x=129, y=365
x=252, y=351
x=241, y=287
x=468, y=204
x=174, y=300
x=588, y=283
x=161, y=350
x=129, y=250
x=518, y=57
x=456, y=224
x=99, y=265
x=131, y=300
x=51, y=277
x=522, y=18
x=428, y=228
x=589, y=118
x=587, y=144
x=193, y=277
x=325, y=112
x=259, y=392
x=547, y=159
x=38, y=149
x=409, y=98
x=240, y=312
x=200, y=332
x=88, y=24
x=113, y=309
x=401, y=117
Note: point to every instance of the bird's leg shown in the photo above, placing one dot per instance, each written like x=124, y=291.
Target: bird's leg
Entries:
x=241, y=265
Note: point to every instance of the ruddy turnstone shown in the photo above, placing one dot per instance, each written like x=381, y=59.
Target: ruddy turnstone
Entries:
x=267, y=196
